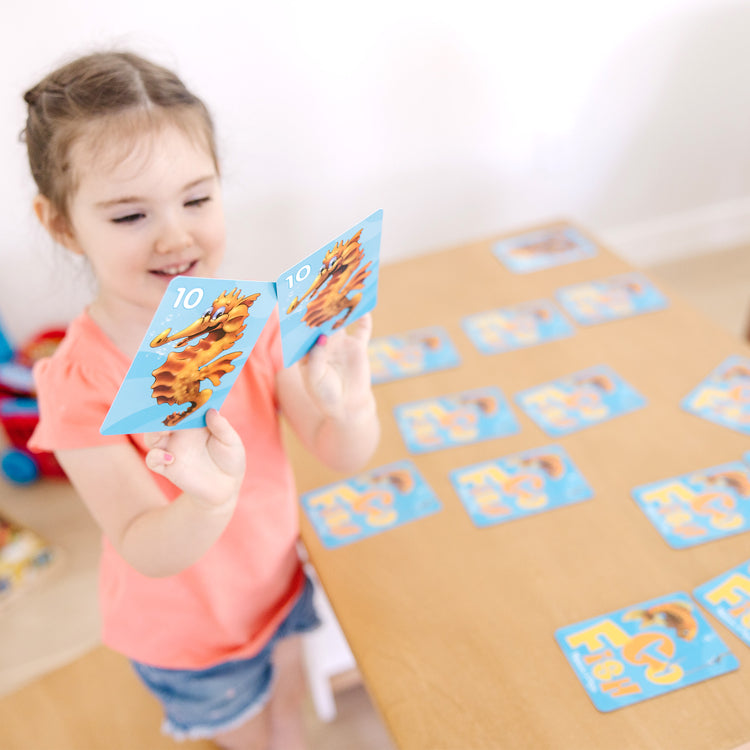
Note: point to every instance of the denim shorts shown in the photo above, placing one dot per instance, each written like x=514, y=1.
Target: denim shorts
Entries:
x=200, y=704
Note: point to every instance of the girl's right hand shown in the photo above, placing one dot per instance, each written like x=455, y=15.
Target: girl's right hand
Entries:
x=207, y=463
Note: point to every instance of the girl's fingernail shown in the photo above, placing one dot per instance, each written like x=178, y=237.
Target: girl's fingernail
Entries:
x=168, y=458
x=322, y=339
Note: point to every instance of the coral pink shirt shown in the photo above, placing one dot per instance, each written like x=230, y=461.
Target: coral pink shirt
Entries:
x=228, y=604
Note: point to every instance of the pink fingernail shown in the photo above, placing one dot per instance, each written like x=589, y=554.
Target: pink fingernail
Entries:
x=168, y=458
x=322, y=339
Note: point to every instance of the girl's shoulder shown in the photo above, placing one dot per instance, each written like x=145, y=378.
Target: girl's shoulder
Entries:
x=85, y=360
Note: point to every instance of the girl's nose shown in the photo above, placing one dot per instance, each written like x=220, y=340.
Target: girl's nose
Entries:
x=173, y=237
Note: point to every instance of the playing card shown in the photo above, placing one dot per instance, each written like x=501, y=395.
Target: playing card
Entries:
x=724, y=396
x=700, y=506
x=412, y=353
x=585, y=398
x=458, y=419
x=616, y=297
x=196, y=344
x=543, y=248
x=369, y=504
x=520, y=485
x=514, y=327
x=727, y=597
x=329, y=289
x=643, y=651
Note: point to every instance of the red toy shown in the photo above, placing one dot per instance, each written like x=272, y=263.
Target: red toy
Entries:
x=18, y=409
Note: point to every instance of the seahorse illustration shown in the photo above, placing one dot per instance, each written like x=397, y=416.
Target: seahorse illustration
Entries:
x=338, y=277
x=178, y=380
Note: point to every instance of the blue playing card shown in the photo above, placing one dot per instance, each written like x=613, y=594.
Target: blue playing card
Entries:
x=459, y=419
x=724, y=396
x=369, y=504
x=643, y=651
x=543, y=248
x=519, y=485
x=412, y=353
x=610, y=299
x=514, y=327
x=700, y=506
x=585, y=398
x=196, y=344
x=727, y=597
x=329, y=289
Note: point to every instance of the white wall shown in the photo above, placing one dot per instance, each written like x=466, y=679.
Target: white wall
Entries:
x=459, y=119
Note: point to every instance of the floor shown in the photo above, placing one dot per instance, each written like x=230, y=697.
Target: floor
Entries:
x=56, y=621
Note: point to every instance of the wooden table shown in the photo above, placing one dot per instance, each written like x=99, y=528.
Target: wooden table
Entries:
x=453, y=626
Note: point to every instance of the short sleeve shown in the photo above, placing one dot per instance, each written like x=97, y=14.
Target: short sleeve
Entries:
x=75, y=387
x=72, y=407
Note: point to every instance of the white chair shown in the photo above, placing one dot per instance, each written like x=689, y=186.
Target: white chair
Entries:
x=326, y=656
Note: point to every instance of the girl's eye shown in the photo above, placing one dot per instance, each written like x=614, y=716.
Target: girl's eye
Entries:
x=197, y=202
x=129, y=219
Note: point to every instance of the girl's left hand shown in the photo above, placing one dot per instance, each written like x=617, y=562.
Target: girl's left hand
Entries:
x=336, y=371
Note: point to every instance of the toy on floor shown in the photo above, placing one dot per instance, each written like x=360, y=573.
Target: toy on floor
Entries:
x=18, y=408
x=24, y=558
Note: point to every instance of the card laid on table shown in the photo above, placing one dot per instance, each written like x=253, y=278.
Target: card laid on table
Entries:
x=519, y=485
x=727, y=597
x=700, y=506
x=543, y=248
x=458, y=419
x=616, y=297
x=584, y=398
x=329, y=289
x=507, y=328
x=412, y=353
x=724, y=396
x=369, y=504
x=643, y=651
x=199, y=338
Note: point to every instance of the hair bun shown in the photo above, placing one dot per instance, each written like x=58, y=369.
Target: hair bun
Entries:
x=31, y=97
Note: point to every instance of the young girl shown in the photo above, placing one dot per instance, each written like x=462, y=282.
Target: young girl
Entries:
x=200, y=580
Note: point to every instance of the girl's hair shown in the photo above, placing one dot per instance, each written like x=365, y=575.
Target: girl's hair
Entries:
x=93, y=95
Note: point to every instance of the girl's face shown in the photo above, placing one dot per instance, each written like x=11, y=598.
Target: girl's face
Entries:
x=146, y=218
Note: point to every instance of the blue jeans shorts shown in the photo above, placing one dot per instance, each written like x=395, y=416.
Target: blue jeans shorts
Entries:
x=200, y=704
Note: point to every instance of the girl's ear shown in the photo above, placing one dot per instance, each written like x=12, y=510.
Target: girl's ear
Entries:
x=55, y=223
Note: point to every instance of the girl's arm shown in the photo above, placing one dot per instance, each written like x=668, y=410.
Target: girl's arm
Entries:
x=327, y=398
x=156, y=537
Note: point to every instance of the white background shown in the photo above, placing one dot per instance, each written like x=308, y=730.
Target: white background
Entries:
x=459, y=119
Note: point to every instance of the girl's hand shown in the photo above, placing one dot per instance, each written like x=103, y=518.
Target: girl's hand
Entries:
x=206, y=462
x=336, y=371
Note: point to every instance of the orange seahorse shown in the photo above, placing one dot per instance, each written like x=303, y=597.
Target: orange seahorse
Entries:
x=338, y=277
x=178, y=380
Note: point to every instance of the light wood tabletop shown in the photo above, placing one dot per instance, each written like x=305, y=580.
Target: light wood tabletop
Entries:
x=453, y=625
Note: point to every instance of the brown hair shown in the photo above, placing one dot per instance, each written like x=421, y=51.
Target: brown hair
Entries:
x=109, y=89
